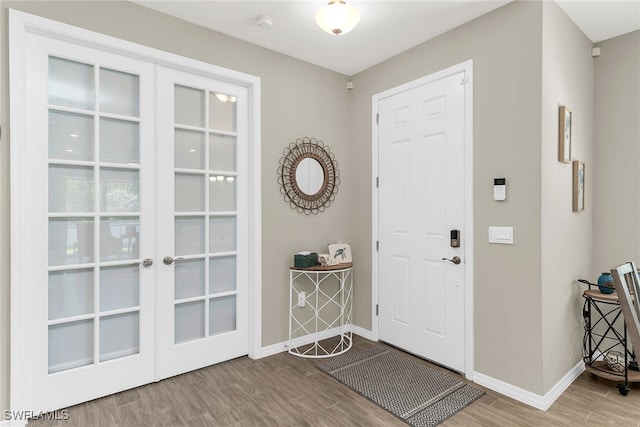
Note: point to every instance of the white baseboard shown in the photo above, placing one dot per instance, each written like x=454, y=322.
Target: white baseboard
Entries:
x=537, y=401
x=297, y=342
x=364, y=333
x=272, y=349
x=563, y=384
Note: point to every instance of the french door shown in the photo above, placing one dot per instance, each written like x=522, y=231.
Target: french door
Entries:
x=135, y=223
x=203, y=285
x=92, y=222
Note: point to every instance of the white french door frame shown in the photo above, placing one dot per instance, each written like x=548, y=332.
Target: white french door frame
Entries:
x=20, y=26
x=468, y=255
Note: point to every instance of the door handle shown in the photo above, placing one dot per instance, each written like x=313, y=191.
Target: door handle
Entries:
x=456, y=260
x=170, y=260
x=147, y=262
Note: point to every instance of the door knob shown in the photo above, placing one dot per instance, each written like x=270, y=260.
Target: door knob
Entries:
x=169, y=260
x=456, y=260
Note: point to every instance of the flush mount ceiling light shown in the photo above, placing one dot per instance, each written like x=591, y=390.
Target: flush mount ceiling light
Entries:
x=337, y=18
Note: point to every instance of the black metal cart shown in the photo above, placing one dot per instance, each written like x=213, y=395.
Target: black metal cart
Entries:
x=601, y=312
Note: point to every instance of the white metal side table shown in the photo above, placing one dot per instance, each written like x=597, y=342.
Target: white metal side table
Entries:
x=320, y=307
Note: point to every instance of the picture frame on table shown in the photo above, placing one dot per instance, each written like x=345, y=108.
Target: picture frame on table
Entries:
x=340, y=252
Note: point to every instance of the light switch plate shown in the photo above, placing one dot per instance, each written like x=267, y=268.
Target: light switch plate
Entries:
x=501, y=235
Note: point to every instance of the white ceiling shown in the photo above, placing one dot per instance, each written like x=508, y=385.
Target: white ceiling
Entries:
x=386, y=27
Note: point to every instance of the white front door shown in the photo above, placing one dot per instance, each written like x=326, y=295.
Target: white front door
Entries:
x=421, y=200
x=202, y=175
x=132, y=255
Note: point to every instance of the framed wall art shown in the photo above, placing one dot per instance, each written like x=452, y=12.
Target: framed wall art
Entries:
x=564, y=135
x=578, y=186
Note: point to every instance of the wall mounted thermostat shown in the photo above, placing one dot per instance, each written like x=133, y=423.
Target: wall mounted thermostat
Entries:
x=499, y=189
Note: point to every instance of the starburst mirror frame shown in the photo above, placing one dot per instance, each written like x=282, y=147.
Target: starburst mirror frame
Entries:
x=308, y=153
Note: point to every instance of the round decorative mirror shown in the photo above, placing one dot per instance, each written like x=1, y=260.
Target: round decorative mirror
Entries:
x=308, y=175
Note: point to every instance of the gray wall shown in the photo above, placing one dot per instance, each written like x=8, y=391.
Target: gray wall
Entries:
x=298, y=99
x=506, y=47
x=567, y=237
x=617, y=150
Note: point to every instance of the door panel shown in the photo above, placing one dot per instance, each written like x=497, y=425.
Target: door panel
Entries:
x=401, y=290
x=401, y=197
x=433, y=155
x=93, y=308
x=432, y=278
x=421, y=198
x=203, y=177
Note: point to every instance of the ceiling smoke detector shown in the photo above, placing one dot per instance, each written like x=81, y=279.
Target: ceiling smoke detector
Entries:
x=264, y=22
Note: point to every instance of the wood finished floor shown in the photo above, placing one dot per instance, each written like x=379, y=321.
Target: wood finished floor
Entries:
x=285, y=390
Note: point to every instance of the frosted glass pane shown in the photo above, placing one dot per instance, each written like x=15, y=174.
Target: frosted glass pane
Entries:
x=119, y=190
x=222, y=193
x=70, y=241
x=189, y=193
x=70, y=84
x=70, y=189
x=189, y=237
x=189, y=321
x=119, y=336
x=222, y=111
x=222, y=315
x=189, y=149
x=222, y=153
x=119, y=287
x=119, y=141
x=222, y=234
x=222, y=274
x=70, y=136
x=70, y=293
x=115, y=243
x=70, y=345
x=119, y=93
x=189, y=106
x=189, y=279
